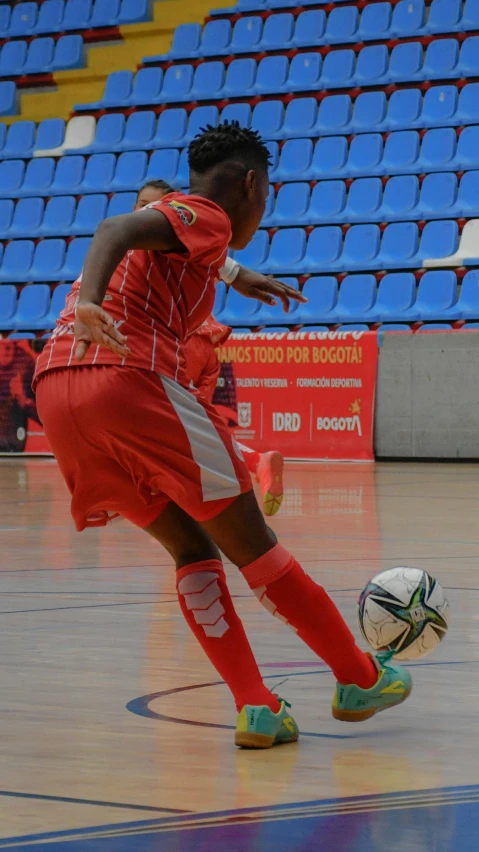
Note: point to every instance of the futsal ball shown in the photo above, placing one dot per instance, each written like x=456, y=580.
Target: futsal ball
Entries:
x=403, y=610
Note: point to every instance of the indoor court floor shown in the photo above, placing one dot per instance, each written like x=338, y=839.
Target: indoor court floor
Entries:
x=116, y=735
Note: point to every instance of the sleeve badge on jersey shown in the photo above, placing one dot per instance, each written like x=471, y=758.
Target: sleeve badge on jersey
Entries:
x=186, y=214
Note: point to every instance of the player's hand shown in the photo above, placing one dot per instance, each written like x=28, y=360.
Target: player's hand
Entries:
x=94, y=325
x=265, y=288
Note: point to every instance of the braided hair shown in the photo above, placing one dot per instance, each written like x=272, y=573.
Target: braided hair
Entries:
x=228, y=141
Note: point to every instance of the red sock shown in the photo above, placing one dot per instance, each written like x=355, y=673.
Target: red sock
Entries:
x=282, y=586
x=207, y=606
x=251, y=458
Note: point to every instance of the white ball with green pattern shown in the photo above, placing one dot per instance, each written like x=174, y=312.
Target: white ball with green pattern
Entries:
x=403, y=611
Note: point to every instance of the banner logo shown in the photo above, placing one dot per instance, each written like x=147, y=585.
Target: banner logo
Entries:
x=286, y=422
x=186, y=214
x=340, y=424
x=244, y=415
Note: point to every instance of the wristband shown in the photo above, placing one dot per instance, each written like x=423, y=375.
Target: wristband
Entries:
x=230, y=270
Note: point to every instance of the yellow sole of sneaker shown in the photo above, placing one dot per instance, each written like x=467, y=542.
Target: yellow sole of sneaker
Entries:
x=362, y=715
x=250, y=740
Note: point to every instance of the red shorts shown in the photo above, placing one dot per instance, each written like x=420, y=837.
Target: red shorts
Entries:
x=128, y=441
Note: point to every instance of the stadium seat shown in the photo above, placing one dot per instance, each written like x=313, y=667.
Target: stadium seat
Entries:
x=7, y=209
x=12, y=173
x=12, y=58
x=79, y=134
x=23, y=20
x=68, y=53
x=47, y=261
x=59, y=216
x=408, y=18
x=234, y=112
x=77, y=14
x=436, y=294
x=468, y=302
x=338, y=69
x=404, y=109
x=5, y=13
x=99, y=172
x=200, y=117
x=278, y=32
x=38, y=177
x=22, y=335
x=33, y=307
x=334, y=115
x=272, y=75
x=105, y=13
x=292, y=205
x=8, y=98
x=239, y=82
x=8, y=305
x=147, y=86
x=287, y=250
x=91, y=210
x=177, y=83
x=133, y=12
x=121, y=203
x=220, y=298
x=375, y=22
x=130, y=171
x=19, y=141
x=300, y=118
x=69, y=175
x=255, y=254
x=369, y=112
x=295, y=162
x=328, y=203
x=310, y=28
x=27, y=218
x=50, y=135
x=397, y=327
x=271, y=314
x=139, y=132
x=304, y=72
x=163, y=164
x=444, y=17
x=185, y=44
x=75, y=258
x=50, y=17
x=238, y=309
x=372, y=65
x=401, y=199
x=396, y=294
x=246, y=36
x=434, y=326
x=117, y=92
x=216, y=38
x=357, y=295
x=322, y=294
x=57, y=304
x=323, y=250
x=110, y=130
x=17, y=260
x=171, y=128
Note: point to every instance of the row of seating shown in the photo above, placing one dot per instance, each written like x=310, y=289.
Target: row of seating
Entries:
x=56, y=16
x=36, y=308
x=374, y=65
x=363, y=247
x=49, y=260
x=403, y=198
x=61, y=216
x=41, y=56
x=264, y=5
x=440, y=106
x=359, y=299
x=315, y=28
x=8, y=98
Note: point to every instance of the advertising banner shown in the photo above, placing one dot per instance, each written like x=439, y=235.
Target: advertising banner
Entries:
x=20, y=428
x=309, y=395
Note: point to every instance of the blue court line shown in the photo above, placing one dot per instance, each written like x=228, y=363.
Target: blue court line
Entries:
x=13, y=794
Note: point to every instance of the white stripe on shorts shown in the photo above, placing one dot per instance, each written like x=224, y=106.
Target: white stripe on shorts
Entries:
x=218, y=477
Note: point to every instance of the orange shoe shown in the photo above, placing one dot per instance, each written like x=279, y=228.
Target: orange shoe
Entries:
x=269, y=474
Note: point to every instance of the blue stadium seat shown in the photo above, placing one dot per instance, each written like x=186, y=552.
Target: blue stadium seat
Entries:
x=41, y=54
x=399, y=247
x=90, y=212
x=342, y=25
x=295, y=160
x=75, y=258
x=396, y=295
x=444, y=16
x=401, y=152
x=439, y=239
x=292, y=205
x=369, y=114
x=238, y=309
x=38, y=177
x=310, y=28
x=27, y=217
x=366, y=154
x=130, y=172
x=468, y=303
x=8, y=305
x=177, y=83
x=22, y=335
x=304, y=73
x=272, y=75
x=329, y=158
x=68, y=53
x=3, y=136
x=470, y=17
x=468, y=65
x=268, y=119
x=8, y=98
x=147, y=87
x=240, y=79
x=69, y=175
x=7, y=209
x=271, y=314
x=361, y=247
x=110, y=130
x=338, y=69
x=436, y=294
x=77, y=14
x=441, y=59
x=268, y=215
x=33, y=307
x=435, y=326
x=408, y=19
x=20, y=140
x=372, y=65
x=220, y=298
x=105, y=13
x=163, y=164
x=357, y=296
x=278, y=32
x=50, y=134
x=255, y=254
x=235, y=112
x=375, y=22
x=133, y=12
x=440, y=105
x=185, y=44
x=438, y=150
x=216, y=38
x=334, y=115
x=17, y=261
x=300, y=118
x=470, y=326
x=328, y=203
x=5, y=13
x=200, y=117
x=247, y=35
x=47, y=261
x=117, y=92
x=58, y=218
x=99, y=172
x=404, y=109
x=12, y=173
x=171, y=128
x=364, y=201
x=468, y=196
x=393, y=327
x=324, y=250
x=467, y=154
x=439, y=196
x=209, y=80
x=140, y=131
x=468, y=106
x=406, y=62
x=57, y=304
x=182, y=177
x=356, y=326
x=121, y=203
x=12, y=58
x=322, y=294
x=50, y=17
x=23, y=20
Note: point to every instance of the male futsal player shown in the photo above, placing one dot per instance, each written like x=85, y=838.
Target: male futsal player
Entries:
x=131, y=439
x=203, y=365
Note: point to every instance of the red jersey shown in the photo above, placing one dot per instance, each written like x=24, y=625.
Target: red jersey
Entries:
x=202, y=362
x=156, y=299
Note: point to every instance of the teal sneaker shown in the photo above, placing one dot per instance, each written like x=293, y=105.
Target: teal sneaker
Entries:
x=259, y=727
x=353, y=704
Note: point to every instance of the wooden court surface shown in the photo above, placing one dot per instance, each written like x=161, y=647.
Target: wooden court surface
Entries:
x=111, y=715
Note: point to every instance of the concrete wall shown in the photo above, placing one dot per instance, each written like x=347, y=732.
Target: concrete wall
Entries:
x=427, y=400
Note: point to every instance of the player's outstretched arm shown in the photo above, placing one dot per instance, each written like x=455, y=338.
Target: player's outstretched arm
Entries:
x=265, y=288
x=114, y=237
